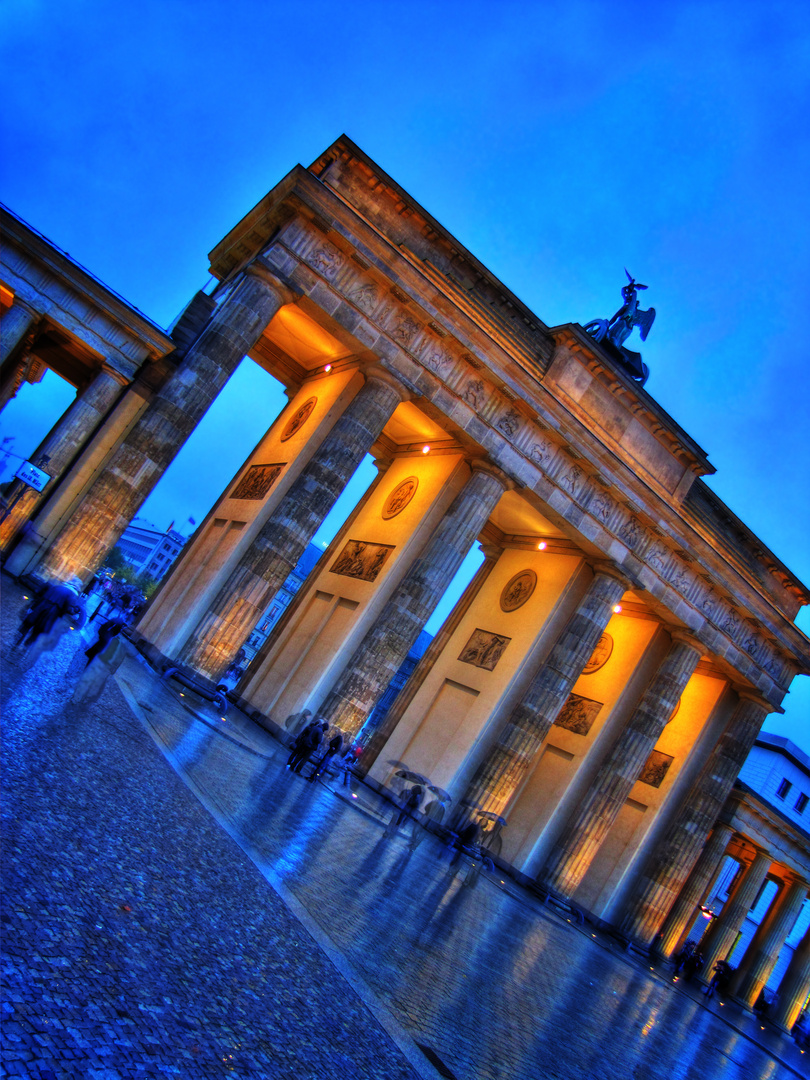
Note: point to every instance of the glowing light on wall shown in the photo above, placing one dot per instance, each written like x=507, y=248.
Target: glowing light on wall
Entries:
x=425, y=449
x=617, y=609
x=542, y=546
x=328, y=368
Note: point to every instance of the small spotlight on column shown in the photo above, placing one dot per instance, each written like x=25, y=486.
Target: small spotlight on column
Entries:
x=542, y=546
x=426, y=449
x=617, y=608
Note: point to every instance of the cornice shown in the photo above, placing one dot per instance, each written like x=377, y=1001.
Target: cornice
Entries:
x=82, y=281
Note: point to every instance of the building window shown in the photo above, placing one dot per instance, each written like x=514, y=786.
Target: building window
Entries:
x=784, y=788
x=801, y=802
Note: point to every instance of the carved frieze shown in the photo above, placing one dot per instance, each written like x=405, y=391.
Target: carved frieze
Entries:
x=632, y=532
x=484, y=649
x=257, y=481
x=456, y=367
x=509, y=423
x=657, y=556
x=327, y=260
x=361, y=559
x=404, y=329
x=365, y=296
x=474, y=394
x=573, y=480
x=437, y=359
x=601, y=506
x=542, y=452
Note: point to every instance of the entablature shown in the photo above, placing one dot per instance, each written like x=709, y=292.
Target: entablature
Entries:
x=763, y=825
x=376, y=297
x=74, y=302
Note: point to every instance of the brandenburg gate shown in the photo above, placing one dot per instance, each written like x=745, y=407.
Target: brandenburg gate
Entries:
x=605, y=673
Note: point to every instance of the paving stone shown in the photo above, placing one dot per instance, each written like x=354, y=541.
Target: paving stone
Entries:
x=178, y=870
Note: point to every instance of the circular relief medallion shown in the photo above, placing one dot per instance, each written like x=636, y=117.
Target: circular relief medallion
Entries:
x=517, y=590
x=299, y=418
x=600, y=655
x=400, y=497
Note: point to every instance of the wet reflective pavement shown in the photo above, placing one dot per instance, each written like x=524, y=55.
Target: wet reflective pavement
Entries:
x=140, y=939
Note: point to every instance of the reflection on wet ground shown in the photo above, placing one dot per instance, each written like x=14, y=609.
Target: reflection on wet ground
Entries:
x=475, y=970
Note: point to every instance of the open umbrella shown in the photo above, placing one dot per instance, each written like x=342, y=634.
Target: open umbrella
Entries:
x=444, y=797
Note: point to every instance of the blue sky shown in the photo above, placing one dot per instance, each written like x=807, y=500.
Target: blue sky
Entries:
x=559, y=142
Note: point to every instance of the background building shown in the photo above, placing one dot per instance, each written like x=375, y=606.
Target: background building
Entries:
x=149, y=550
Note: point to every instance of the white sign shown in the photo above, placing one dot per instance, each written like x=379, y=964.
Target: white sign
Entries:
x=31, y=475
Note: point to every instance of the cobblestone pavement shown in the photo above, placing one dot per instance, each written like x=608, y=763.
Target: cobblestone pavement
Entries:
x=201, y=912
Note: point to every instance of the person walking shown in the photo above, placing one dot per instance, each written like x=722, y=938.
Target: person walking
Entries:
x=306, y=744
x=295, y=724
x=57, y=601
x=720, y=977
x=410, y=805
x=112, y=628
x=334, y=746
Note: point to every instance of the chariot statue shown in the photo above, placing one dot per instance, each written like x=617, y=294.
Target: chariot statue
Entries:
x=615, y=331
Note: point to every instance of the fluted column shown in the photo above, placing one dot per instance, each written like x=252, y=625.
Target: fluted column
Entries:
x=674, y=858
x=574, y=852
x=794, y=987
x=64, y=441
x=502, y=772
x=264, y=567
x=722, y=934
x=153, y=441
x=703, y=874
x=15, y=325
x=385, y=646
x=763, y=951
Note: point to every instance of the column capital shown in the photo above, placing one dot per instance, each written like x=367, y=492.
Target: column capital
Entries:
x=684, y=637
x=25, y=305
x=747, y=693
x=260, y=269
x=377, y=373
x=107, y=369
x=610, y=569
x=484, y=466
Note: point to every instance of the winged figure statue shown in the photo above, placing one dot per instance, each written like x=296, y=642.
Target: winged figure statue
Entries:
x=618, y=329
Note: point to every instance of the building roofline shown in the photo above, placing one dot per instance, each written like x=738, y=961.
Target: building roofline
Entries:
x=97, y=283
x=782, y=745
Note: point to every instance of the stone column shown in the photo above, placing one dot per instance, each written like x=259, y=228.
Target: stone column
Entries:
x=504, y=768
x=65, y=440
x=722, y=934
x=575, y=850
x=763, y=951
x=670, y=865
x=264, y=567
x=385, y=646
x=154, y=440
x=794, y=987
x=17, y=323
x=703, y=875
